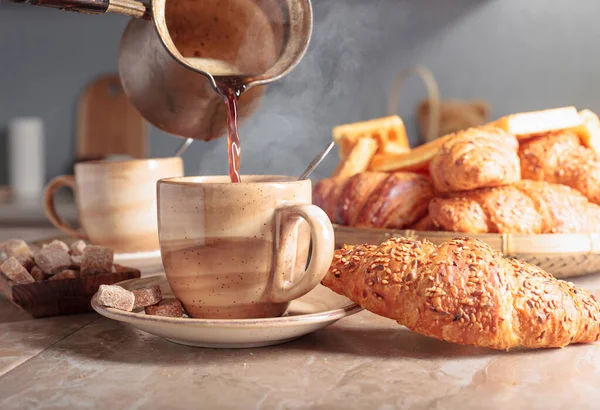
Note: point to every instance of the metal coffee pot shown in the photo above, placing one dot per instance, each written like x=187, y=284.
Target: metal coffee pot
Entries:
x=173, y=53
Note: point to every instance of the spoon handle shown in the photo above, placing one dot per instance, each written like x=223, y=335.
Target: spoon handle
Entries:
x=315, y=162
x=183, y=147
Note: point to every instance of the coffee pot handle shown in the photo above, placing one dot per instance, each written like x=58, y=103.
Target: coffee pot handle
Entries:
x=130, y=8
x=288, y=217
x=57, y=221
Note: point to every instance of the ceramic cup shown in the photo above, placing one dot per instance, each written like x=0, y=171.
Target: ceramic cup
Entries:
x=116, y=201
x=240, y=250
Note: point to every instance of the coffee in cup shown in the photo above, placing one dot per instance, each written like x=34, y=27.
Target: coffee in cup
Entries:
x=240, y=250
x=116, y=201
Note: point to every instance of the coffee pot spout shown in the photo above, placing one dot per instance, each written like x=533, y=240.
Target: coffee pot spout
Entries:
x=130, y=8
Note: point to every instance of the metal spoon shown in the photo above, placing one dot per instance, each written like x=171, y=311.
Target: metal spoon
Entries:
x=183, y=147
x=315, y=162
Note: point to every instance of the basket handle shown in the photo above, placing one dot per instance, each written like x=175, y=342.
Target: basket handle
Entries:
x=433, y=96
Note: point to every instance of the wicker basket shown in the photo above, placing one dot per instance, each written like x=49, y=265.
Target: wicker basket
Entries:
x=563, y=255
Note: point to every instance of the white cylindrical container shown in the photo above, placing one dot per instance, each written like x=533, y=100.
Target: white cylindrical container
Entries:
x=26, y=157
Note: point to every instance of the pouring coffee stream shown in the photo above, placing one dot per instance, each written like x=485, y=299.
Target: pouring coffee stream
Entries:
x=234, y=145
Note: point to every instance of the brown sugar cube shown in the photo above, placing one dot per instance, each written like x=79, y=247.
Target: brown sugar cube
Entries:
x=3, y=255
x=52, y=260
x=77, y=248
x=96, y=259
x=37, y=274
x=26, y=261
x=115, y=297
x=66, y=274
x=57, y=244
x=14, y=271
x=167, y=307
x=76, y=259
x=15, y=247
x=146, y=296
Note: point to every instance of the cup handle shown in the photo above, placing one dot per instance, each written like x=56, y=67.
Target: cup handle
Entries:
x=57, y=221
x=286, y=219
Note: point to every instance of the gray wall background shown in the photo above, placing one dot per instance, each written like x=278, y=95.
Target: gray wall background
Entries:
x=518, y=55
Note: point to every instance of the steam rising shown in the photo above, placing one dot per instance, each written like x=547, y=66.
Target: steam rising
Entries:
x=327, y=88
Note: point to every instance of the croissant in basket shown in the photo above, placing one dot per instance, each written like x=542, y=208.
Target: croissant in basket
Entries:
x=560, y=158
x=375, y=199
x=476, y=158
x=526, y=207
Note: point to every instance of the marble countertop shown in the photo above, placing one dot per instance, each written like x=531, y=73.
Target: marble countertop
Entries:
x=361, y=362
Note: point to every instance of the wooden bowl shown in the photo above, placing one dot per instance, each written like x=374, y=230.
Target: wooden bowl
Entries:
x=62, y=297
x=562, y=255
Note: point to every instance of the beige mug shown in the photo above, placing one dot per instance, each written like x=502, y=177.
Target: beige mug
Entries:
x=237, y=251
x=116, y=201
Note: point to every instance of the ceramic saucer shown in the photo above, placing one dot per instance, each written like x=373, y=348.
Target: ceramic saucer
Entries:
x=318, y=309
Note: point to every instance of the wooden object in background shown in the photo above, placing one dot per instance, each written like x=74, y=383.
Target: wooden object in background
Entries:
x=454, y=115
x=62, y=297
x=5, y=193
x=107, y=123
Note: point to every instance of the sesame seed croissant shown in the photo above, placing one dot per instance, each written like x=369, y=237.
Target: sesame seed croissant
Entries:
x=463, y=292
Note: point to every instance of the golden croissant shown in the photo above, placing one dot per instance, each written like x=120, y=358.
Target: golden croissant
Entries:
x=528, y=207
x=560, y=158
x=463, y=292
x=476, y=158
x=374, y=199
